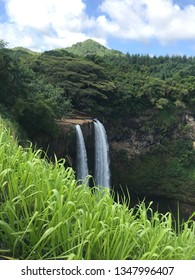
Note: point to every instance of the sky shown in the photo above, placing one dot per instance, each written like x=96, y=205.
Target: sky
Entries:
x=153, y=27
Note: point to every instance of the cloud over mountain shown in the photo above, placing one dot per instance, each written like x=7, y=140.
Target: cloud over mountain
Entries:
x=50, y=24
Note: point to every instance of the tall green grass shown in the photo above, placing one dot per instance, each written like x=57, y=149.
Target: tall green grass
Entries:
x=45, y=214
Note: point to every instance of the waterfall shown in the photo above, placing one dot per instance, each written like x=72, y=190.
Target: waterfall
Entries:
x=102, y=172
x=82, y=168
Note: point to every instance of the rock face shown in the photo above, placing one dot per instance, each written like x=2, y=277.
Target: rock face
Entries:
x=143, y=134
x=190, y=121
x=155, y=156
x=63, y=144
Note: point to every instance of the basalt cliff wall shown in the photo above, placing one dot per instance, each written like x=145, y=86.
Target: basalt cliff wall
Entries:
x=63, y=143
x=155, y=155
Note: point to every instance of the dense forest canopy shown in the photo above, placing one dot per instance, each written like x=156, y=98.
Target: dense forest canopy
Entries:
x=37, y=88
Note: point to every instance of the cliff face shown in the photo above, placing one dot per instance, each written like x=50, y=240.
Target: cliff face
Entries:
x=155, y=155
x=146, y=133
x=63, y=144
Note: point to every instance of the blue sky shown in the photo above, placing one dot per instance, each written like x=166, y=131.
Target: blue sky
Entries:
x=154, y=27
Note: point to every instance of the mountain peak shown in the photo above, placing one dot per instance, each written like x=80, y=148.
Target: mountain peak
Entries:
x=91, y=47
x=92, y=42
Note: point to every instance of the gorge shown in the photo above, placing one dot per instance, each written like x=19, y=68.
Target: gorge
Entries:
x=144, y=159
x=145, y=103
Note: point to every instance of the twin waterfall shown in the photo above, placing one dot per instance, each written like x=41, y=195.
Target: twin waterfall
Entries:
x=102, y=172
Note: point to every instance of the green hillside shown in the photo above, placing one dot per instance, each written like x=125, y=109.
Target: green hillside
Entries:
x=45, y=214
x=90, y=48
x=24, y=50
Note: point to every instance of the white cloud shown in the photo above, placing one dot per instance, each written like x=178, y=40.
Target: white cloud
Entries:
x=146, y=19
x=45, y=13
x=15, y=36
x=46, y=24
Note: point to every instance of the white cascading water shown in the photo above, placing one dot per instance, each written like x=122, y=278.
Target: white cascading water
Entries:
x=102, y=171
x=82, y=167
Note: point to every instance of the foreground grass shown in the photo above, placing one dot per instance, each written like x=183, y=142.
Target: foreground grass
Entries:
x=45, y=214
